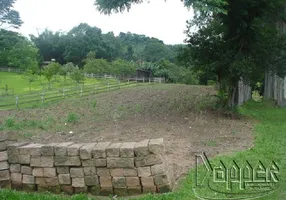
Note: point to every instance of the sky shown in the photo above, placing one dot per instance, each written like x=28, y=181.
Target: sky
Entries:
x=165, y=20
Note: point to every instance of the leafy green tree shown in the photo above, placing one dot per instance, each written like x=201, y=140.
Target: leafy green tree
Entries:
x=123, y=68
x=7, y=40
x=77, y=75
x=24, y=55
x=9, y=16
x=67, y=69
x=97, y=66
x=30, y=76
x=51, y=70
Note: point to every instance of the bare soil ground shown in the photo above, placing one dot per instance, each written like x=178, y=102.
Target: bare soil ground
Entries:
x=178, y=113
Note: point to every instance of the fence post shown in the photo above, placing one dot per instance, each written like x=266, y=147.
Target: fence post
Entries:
x=118, y=84
x=143, y=79
x=17, y=102
x=108, y=86
x=149, y=80
x=64, y=93
x=80, y=90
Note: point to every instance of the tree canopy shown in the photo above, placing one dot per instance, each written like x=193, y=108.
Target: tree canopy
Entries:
x=9, y=16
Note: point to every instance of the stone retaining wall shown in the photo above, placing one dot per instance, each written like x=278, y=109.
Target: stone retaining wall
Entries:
x=98, y=168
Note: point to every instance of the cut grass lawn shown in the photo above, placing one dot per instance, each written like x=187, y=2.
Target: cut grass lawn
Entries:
x=269, y=146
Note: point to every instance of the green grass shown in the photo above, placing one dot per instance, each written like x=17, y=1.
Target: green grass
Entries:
x=18, y=85
x=270, y=145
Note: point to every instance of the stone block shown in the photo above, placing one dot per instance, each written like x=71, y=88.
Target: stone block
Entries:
x=134, y=190
x=29, y=187
x=61, y=149
x=130, y=172
x=26, y=170
x=132, y=181
x=127, y=150
x=106, y=191
x=4, y=165
x=16, y=177
x=94, y=190
x=48, y=149
x=87, y=163
x=89, y=171
x=113, y=150
x=144, y=171
x=120, y=191
x=47, y=161
x=103, y=172
x=159, y=169
x=12, y=148
x=105, y=181
x=16, y=186
x=47, y=181
x=149, y=189
x=13, y=158
x=36, y=161
x=76, y=173
x=38, y=172
x=4, y=175
x=118, y=172
x=49, y=172
x=120, y=162
x=78, y=182
x=30, y=149
x=15, y=168
x=156, y=146
x=80, y=190
x=147, y=181
x=24, y=159
x=99, y=151
x=164, y=188
x=67, y=189
x=162, y=180
x=91, y=180
x=3, y=146
x=65, y=179
x=73, y=150
x=119, y=182
x=67, y=161
x=28, y=179
x=3, y=156
x=148, y=160
x=42, y=161
x=63, y=170
x=85, y=152
x=100, y=162
x=142, y=148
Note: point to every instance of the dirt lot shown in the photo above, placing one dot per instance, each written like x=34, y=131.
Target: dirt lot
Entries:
x=175, y=112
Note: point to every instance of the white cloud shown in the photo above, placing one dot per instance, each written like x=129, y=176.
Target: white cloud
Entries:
x=164, y=20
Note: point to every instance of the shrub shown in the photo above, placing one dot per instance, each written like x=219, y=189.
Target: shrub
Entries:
x=72, y=118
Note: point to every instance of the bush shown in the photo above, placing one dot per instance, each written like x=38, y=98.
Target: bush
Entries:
x=72, y=118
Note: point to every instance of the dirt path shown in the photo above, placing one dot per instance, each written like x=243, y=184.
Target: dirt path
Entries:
x=174, y=112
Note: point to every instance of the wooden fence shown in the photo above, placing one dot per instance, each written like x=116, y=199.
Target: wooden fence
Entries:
x=36, y=98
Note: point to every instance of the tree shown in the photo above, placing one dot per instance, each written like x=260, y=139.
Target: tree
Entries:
x=77, y=75
x=97, y=66
x=51, y=70
x=8, y=15
x=8, y=39
x=67, y=69
x=24, y=55
x=30, y=76
x=123, y=68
